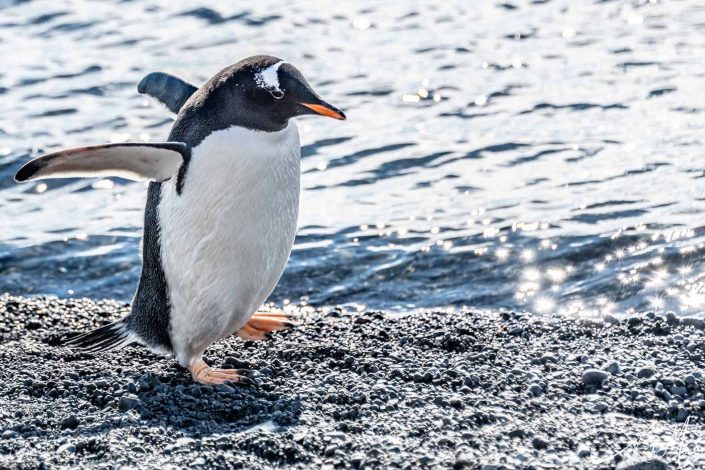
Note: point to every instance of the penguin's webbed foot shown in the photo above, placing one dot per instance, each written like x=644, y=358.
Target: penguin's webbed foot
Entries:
x=203, y=373
x=262, y=324
x=249, y=333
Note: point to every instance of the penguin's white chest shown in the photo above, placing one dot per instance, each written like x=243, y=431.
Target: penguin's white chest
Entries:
x=226, y=239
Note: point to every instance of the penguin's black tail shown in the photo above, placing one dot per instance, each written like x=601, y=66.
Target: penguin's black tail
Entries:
x=111, y=336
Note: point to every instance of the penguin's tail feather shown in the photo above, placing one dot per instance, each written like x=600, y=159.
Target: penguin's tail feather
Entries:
x=112, y=336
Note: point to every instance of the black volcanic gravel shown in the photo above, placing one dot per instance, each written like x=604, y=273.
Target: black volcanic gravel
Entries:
x=449, y=390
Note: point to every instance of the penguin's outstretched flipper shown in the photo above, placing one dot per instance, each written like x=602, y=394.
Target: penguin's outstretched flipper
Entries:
x=133, y=160
x=168, y=88
x=112, y=336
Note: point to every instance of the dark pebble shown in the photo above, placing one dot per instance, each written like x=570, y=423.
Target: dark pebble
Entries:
x=128, y=402
x=70, y=422
x=539, y=443
x=594, y=377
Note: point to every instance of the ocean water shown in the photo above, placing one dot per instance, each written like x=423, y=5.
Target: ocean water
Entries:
x=545, y=156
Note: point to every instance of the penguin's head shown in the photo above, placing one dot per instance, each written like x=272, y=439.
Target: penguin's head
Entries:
x=265, y=92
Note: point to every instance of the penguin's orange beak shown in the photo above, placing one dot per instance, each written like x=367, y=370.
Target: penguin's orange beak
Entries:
x=325, y=110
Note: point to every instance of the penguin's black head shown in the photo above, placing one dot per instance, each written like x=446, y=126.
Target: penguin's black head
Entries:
x=263, y=92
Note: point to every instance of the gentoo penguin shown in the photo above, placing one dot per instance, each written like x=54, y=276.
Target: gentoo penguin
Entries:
x=221, y=212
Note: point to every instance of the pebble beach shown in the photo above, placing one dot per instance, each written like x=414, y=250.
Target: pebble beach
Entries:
x=435, y=389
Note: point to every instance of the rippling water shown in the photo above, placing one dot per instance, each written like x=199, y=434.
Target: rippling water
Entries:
x=543, y=155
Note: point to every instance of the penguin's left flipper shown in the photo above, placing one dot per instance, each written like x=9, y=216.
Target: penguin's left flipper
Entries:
x=135, y=161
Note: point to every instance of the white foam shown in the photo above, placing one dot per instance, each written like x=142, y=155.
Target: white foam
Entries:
x=269, y=78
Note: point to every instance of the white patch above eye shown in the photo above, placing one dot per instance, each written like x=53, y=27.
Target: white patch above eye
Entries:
x=269, y=78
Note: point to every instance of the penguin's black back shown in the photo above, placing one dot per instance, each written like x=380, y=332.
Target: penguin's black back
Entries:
x=149, y=318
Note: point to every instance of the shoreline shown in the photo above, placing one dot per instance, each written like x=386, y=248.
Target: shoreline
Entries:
x=431, y=389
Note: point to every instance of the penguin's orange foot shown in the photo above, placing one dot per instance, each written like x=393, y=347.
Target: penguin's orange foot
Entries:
x=203, y=373
x=249, y=333
x=262, y=324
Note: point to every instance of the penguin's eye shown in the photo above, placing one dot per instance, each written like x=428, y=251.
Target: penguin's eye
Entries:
x=276, y=94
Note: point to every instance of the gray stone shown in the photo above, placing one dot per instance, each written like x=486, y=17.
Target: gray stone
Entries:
x=128, y=402
x=682, y=415
x=539, y=443
x=613, y=368
x=70, y=422
x=643, y=464
x=594, y=377
x=583, y=451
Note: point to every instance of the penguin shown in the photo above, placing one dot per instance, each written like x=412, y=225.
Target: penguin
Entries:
x=221, y=212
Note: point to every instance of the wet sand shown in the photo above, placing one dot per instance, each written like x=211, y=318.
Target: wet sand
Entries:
x=435, y=389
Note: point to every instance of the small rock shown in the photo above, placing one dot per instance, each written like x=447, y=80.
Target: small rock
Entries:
x=102, y=384
x=224, y=388
x=682, y=415
x=583, y=451
x=223, y=443
x=198, y=462
x=613, y=368
x=516, y=331
x=535, y=390
x=516, y=433
x=128, y=402
x=594, y=377
x=645, y=373
x=357, y=459
x=70, y=422
x=548, y=358
x=463, y=460
x=68, y=447
x=145, y=384
x=645, y=464
x=184, y=442
x=539, y=443
x=601, y=407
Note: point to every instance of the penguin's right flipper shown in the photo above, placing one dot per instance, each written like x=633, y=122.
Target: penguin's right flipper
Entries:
x=131, y=160
x=168, y=88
